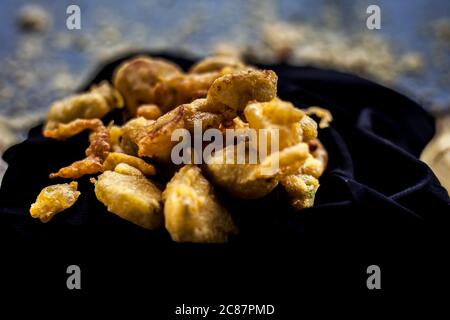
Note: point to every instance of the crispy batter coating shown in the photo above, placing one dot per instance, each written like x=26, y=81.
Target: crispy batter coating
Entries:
x=96, y=153
x=230, y=93
x=127, y=193
x=191, y=210
x=63, y=131
x=302, y=189
x=252, y=181
x=155, y=141
x=217, y=63
x=136, y=78
x=324, y=115
x=302, y=185
x=54, y=199
x=96, y=103
x=183, y=89
x=279, y=115
x=145, y=80
x=149, y=111
x=115, y=158
x=132, y=132
x=317, y=161
x=115, y=137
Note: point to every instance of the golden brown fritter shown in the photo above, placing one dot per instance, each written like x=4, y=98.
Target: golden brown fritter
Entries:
x=149, y=111
x=96, y=153
x=324, y=115
x=252, y=181
x=96, y=103
x=136, y=78
x=115, y=158
x=54, y=199
x=279, y=115
x=144, y=80
x=230, y=93
x=132, y=132
x=182, y=89
x=191, y=210
x=302, y=185
x=317, y=160
x=217, y=63
x=155, y=140
x=301, y=189
x=127, y=193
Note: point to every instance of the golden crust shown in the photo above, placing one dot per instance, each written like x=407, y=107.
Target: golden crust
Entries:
x=96, y=153
x=191, y=210
x=54, y=199
x=115, y=158
x=217, y=63
x=96, y=103
x=131, y=196
x=230, y=93
x=252, y=181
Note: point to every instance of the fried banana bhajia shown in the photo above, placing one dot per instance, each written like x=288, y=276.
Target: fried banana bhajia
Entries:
x=149, y=111
x=191, y=210
x=95, y=103
x=144, y=80
x=54, y=199
x=219, y=92
x=136, y=78
x=230, y=93
x=217, y=63
x=301, y=189
x=155, y=140
x=302, y=185
x=96, y=153
x=252, y=181
x=115, y=158
x=127, y=193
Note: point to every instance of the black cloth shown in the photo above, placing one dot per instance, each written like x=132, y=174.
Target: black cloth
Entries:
x=377, y=204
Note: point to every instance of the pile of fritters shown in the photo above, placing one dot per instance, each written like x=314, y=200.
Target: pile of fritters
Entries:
x=157, y=98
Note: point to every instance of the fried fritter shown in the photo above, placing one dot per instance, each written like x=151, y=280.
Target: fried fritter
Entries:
x=95, y=103
x=191, y=210
x=252, y=181
x=324, y=115
x=217, y=63
x=96, y=153
x=149, y=111
x=132, y=132
x=136, y=78
x=317, y=160
x=183, y=89
x=115, y=158
x=54, y=199
x=279, y=115
x=127, y=193
x=230, y=93
x=302, y=186
x=155, y=141
x=301, y=189
x=145, y=80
